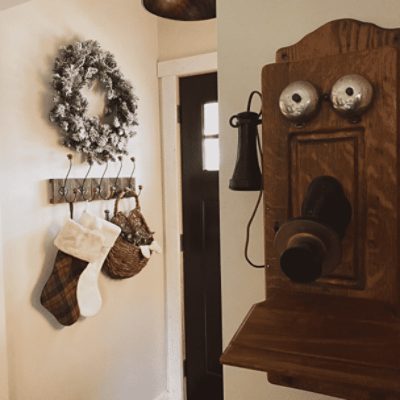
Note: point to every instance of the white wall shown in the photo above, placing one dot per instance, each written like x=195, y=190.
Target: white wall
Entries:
x=249, y=33
x=119, y=354
x=10, y=3
x=179, y=39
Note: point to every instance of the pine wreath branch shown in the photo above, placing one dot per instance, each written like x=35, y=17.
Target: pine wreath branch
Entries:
x=79, y=65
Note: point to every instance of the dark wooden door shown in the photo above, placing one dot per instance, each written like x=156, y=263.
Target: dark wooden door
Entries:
x=201, y=241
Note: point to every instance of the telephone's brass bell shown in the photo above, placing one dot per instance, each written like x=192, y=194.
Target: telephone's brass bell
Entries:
x=351, y=95
x=299, y=101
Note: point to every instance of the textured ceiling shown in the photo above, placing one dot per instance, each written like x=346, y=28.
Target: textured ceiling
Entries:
x=10, y=3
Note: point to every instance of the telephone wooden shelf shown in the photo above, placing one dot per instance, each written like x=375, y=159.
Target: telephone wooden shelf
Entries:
x=346, y=341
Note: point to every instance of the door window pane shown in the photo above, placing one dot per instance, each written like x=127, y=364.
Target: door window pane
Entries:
x=211, y=154
x=210, y=119
x=210, y=137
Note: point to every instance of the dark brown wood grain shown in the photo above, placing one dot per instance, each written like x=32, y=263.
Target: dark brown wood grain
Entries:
x=339, y=37
x=343, y=391
x=339, y=154
x=340, y=335
x=367, y=168
x=346, y=341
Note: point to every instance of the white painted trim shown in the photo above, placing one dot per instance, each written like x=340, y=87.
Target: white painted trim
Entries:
x=4, y=390
x=172, y=224
x=163, y=396
x=169, y=73
x=188, y=66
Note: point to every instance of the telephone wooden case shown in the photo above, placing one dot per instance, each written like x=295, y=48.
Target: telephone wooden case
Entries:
x=339, y=335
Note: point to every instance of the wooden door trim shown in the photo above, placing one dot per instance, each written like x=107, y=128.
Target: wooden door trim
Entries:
x=169, y=73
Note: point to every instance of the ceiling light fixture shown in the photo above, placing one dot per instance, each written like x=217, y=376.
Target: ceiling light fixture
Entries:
x=182, y=10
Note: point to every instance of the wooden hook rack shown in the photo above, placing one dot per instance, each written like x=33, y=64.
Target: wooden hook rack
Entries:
x=72, y=190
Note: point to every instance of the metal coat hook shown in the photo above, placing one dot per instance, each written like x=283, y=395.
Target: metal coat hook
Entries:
x=82, y=190
x=98, y=189
x=63, y=191
x=130, y=186
x=114, y=187
x=140, y=187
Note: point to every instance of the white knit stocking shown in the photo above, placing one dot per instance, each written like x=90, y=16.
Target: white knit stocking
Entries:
x=88, y=293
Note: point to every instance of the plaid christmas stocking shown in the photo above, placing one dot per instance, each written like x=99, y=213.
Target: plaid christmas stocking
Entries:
x=88, y=293
x=77, y=247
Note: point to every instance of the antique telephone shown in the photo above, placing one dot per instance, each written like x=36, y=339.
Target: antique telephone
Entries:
x=331, y=132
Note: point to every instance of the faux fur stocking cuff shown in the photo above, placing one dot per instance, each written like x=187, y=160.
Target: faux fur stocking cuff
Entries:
x=79, y=242
x=108, y=230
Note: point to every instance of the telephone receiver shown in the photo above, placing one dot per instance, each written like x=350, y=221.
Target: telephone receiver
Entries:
x=247, y=174
x=309, y=246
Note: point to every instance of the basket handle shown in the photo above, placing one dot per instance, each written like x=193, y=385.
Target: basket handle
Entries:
x=122, y=194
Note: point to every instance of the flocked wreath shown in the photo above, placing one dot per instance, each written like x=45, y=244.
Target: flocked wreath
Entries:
x=81, y=64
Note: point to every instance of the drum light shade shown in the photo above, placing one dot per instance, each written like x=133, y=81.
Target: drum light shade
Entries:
x=182, y=10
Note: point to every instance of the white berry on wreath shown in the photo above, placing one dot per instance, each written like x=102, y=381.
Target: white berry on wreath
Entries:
x=79, y=65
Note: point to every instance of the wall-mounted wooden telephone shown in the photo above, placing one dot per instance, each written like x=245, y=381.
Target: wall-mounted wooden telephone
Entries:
x=331, y=169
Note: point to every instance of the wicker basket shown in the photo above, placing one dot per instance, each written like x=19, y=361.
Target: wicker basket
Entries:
x=125, y=259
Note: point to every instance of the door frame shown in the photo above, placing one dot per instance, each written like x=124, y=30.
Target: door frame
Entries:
x=169, y=73
x=4, y=384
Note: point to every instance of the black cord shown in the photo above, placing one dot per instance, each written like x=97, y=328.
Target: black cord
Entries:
x=246, y=246
x=251, y=99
